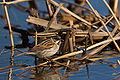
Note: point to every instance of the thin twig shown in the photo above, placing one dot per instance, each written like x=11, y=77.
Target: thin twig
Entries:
x=13, y=2
x=36, y=38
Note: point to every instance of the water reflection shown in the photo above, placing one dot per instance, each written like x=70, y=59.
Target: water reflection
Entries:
x=11, y=63
x=47, y=75
x=43, y=74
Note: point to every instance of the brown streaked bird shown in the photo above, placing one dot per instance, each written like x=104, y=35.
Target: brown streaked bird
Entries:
x=46, y=48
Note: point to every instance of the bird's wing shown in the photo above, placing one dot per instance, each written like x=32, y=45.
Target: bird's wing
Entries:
x=41, y=47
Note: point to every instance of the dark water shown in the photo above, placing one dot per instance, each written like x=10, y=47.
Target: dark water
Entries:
x=97, y=71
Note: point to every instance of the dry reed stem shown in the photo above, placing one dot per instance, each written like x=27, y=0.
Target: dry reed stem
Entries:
x=13, y=2
x=43, y=22
x=20, y=54
x=35, y=56
x=45, y=34
x=20, y=64
x=66, y=42
x=36, y=38
x=73, y=38
x=71, y=13
x=99, y=17
x=112, y=14
x=71, y=44
x=9, y=25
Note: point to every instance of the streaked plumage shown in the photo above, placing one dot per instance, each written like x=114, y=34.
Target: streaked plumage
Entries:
x=46, y=48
